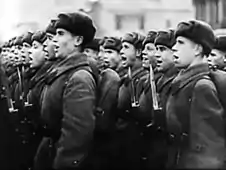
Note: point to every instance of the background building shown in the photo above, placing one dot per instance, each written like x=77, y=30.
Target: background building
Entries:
x=211, y=11
x=111, y=17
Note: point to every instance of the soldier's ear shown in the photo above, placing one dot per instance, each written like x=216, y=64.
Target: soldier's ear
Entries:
x=198, y=50
x=224, y=58
x=78, y=40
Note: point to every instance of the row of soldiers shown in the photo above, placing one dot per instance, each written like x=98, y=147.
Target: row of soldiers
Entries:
x=73, y=101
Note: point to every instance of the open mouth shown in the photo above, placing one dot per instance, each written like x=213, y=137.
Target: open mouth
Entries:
x=123, y=58
x=46, y=52
x=158, y=62
x=56, y=48
x=175, y=57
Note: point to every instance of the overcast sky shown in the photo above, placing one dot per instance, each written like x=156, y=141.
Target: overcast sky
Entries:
x=8, y=17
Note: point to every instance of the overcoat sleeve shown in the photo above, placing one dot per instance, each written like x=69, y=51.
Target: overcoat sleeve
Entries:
x=78, y=121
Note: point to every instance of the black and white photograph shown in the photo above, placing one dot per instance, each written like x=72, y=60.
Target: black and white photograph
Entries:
x=112, y=84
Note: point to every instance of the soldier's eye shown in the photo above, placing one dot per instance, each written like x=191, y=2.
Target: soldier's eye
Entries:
x=60, y=32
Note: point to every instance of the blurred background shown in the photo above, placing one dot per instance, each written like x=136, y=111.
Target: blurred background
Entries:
x=111, y=17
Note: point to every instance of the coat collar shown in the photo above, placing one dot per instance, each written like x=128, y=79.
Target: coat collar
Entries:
x=166, y=78
x=71, y=62
x=40, y=74
x=185, y=76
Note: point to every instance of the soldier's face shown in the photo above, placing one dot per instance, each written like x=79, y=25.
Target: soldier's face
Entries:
x=164, y=57
x=184, y=52
x=217, y=58
x=17, y=50
x=25, y=50
x=49, y=47
x=101, y=52
x=112, y=58
x=101, y=56
x=4, y=52
x=91, y=53
x=37, y=54
x=64, y=43
x=128, y=54
x=148, y=55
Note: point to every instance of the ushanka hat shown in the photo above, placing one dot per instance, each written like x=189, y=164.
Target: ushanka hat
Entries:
x=39, y=36
x=165, y=38
x=150, y=38
x=220, y=43
x=134, y=38
x=198, y=32
x=51, y=27
x=27, y=38
x=94, y=44
x=78, y=24
x=113, y=43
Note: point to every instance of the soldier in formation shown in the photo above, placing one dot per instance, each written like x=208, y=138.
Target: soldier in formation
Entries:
x=71, y=100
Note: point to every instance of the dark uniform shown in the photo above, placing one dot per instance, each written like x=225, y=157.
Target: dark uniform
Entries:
x=194, y=113
x=6, y=127
x=52, y=112
x=68, y=102
x=130, y=125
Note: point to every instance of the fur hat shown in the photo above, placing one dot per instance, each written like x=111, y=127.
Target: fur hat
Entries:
x=199, y=32
x=77, y=23
x=27, y=38
x=39, y=36
x=150, y=38
x=18, y=41
x=113, y=43
x=134, y=38
x=220, y=43
x=94, y=44
x=165, y=38
x=51, y=27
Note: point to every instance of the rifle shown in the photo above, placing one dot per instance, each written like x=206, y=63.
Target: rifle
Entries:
x=157, y=109
x=134, y=101
x=153, y=90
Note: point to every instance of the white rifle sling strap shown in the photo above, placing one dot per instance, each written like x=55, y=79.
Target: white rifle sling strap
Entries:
x=153, y=90
x=134, y=101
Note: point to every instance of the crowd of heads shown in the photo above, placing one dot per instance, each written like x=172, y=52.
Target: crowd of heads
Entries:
x=70, y=32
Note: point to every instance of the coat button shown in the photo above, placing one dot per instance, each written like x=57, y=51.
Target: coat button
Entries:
x=24, y=141
x=141, y=134
x=127, y=111
x=144, y=158
x=75, y=162
x=17, y=130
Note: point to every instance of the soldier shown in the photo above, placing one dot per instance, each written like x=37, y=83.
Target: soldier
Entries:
x=163, y=42
x=148, y=53
x=112, y=57
x=193, y=111
x=6, y=128
x=165, y=63
x=100, y=61
x=217, y=56
x=68, y=100
x=129, y=125
x=92, y=49
x=48, y=44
